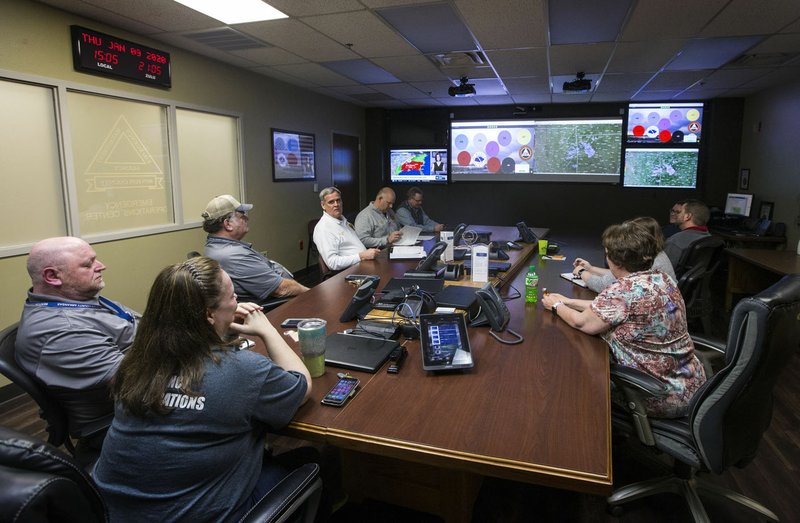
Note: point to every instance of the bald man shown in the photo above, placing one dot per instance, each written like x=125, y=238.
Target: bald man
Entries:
x=376, y=225
x=70, y=338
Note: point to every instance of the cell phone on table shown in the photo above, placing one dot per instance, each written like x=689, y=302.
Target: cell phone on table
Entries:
x=344, y=389
x=291, y=323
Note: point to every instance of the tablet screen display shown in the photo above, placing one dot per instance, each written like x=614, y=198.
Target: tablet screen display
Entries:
x=445, y=344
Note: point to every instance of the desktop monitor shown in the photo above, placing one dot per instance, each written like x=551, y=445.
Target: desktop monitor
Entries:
x=738, y=204
x=421, y=165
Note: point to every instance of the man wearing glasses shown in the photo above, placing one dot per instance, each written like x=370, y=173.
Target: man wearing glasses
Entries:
x=255, y=277
x=672, y=227
x=410, y=212
x=691, y=219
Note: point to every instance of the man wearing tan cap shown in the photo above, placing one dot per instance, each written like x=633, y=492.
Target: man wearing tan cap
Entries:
x=255, y=277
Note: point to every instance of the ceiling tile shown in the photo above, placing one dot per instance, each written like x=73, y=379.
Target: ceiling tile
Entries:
x=569, y=59
x=524, y=25
x=710, y=53
x=519, y=62
x=639, y=57
x=622, y=82
x=408, y=68
x=269, y=56
x=732, y=78
x=653, y=20
x=315, y=73
x=678, y=80
x=372, y=39
x=400, y=91
x=362, y=71
x=298, y=38
x=433, y=28
x=314, y=7
x=782, y=43
x=748, y=17
x=167, y=16
x=586, y=22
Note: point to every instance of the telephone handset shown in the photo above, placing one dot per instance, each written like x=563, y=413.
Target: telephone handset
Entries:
x=526, y=233
x=361, y=298
x=494, y=311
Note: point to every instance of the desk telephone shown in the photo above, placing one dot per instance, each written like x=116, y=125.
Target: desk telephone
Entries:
x=526, y=233
x=493, y=311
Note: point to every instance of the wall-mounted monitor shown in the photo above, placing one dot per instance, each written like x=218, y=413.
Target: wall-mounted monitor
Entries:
x=668, y=123
x=418, y=165
x=661, y=167
x=738, y=204
x=564, y=150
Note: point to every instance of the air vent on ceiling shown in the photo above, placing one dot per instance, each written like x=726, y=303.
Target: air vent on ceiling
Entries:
x=763, y=59
x=460, y=59
x=226, y=39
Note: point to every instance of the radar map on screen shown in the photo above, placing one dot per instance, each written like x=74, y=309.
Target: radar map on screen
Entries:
x=661, y=168
x=665, y=123
x=536, y=149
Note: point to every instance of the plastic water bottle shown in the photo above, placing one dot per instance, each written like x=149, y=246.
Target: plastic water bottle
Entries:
x=531, y=286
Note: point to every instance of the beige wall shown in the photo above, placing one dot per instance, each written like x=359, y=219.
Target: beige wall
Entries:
x=34, y=39
x=769, y=150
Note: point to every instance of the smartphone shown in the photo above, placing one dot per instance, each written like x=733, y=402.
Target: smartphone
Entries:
x=291, y=323
x=341, y=392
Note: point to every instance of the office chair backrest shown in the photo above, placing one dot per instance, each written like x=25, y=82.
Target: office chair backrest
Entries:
x=192, y=254
x=41, y=483
x=53, y=414
x=705, y=252
x=733, y=409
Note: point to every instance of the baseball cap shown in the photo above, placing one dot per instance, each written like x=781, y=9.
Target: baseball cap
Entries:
x=223, y=205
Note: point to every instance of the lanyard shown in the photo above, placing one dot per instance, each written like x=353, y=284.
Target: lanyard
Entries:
x=106, y=304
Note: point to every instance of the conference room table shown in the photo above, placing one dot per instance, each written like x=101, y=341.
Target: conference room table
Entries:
x=750, y=271
x=536, y=412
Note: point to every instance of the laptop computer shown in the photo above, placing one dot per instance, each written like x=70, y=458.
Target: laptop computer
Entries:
x=355, y=352
x=458, y=296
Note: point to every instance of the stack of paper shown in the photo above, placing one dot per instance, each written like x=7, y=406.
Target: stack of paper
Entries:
x=407, y=252
x=410, y=235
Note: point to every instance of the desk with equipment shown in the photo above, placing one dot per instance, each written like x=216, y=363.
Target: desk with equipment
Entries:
x=536, y=412
x=750, y=271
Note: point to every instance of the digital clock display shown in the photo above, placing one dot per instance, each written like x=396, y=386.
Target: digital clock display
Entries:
x=104, y=54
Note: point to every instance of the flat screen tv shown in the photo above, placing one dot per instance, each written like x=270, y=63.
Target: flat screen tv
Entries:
x=661, y=167
x=667, y=123
x=738, y=204
x=564, y=150
x=418, y=165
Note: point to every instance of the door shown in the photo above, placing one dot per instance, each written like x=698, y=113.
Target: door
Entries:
x=345, y=171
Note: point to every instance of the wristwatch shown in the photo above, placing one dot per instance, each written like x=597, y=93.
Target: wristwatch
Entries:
x=555, y=306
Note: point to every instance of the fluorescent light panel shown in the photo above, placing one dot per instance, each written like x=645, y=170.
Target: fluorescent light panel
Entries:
x=235, y=11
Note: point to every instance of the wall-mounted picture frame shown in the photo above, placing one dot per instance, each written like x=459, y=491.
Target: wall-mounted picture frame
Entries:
x=744, y=179
x=293, y=156
x=765, y=210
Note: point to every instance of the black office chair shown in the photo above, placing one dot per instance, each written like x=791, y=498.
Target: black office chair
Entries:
x=695, y=272
x=49, y=409
x=729, y=414
x=311, y=245
x=43, y=484
x=325, y=272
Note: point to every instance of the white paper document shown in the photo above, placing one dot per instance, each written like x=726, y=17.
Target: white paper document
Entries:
x=407, y=252
x=410, y=235
x=573, y=279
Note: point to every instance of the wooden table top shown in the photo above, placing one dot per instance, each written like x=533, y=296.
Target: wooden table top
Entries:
x=779, y=262
x=537, y=412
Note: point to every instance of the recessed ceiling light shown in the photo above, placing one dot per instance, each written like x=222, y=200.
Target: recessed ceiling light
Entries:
x=235, y=11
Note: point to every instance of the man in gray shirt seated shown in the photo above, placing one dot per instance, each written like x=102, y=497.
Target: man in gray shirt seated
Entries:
x=410, y=212
x=255, y=277
x=376, y=225
x=70, y=338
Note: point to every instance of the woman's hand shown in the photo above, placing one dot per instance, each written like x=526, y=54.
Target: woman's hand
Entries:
x=579, y=264
x=548, y=299
x=254, y=322
x=243, y=310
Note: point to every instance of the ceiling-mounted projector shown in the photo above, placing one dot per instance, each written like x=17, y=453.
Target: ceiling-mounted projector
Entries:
x=580, y=84
x=463, y=89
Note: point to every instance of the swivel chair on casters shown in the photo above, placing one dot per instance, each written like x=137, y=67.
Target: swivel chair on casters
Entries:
x=729, y=414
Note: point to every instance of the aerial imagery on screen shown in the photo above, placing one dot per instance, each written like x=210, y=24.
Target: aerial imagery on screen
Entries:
x=536, y=150
x=661, y=167
x=665, y=123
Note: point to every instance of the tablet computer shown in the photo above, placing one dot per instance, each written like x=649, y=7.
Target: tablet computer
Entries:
x=444, y=340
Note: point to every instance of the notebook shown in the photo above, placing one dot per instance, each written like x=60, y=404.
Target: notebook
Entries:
x=574, y=279
x=357, y=352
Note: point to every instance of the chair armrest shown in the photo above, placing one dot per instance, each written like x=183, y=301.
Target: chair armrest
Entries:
x=632, y=377
x=301, y=488
x=714, y=344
